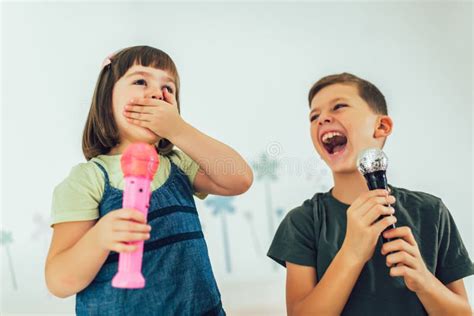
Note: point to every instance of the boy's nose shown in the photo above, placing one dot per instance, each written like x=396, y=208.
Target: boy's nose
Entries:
x=325, y=119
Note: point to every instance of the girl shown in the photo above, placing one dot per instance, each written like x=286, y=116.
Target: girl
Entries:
x=136, y=99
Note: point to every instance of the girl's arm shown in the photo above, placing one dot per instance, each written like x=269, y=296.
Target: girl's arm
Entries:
x=79, y=249
x=222, y=170
x=74, y=258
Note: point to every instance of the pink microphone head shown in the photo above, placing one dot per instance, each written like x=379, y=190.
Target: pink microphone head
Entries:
x=140, y=160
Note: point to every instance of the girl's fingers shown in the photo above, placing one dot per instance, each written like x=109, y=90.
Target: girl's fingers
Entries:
x=144, y=117
x=150, y=103
x=144, y=102
x=137, y=122
x=123, y=247
x=138, y=108
x=130, y=226
x=131, y=214
x=129, y=237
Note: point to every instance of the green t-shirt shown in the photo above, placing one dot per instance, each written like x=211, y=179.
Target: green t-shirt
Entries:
x=78, y=196
x=312, y=234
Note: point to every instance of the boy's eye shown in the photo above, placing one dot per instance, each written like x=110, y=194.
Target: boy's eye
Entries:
x=314, y=117
x=140, y=82
x=339, y=105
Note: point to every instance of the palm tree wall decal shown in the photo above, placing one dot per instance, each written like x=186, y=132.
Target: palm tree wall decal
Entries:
x=280, y=212
x=256, y=244
x=266, y=169
x=42, y=232
x=5, y=240
x=221, y=207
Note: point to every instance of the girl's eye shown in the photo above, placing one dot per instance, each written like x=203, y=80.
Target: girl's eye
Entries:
x=170, y=89
x=140, y=82
x=339, y=105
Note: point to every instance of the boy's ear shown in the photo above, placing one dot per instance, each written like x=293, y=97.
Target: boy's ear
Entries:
x=384, y=126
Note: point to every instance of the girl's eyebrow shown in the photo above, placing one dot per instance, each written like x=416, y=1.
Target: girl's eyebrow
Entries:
x=147, y=74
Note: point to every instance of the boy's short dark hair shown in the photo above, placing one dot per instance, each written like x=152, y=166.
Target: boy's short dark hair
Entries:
x=367, y=91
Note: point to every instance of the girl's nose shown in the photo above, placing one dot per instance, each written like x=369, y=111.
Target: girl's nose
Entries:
x=157, y=94
x=160, y=97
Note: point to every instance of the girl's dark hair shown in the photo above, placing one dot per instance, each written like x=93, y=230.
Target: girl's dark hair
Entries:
x=367, y=91
x=100, y=132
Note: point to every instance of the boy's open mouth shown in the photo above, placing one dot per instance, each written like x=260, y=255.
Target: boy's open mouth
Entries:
x=333, y=142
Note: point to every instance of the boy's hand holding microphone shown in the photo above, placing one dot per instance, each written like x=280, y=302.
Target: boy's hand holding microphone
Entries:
x=370, y=218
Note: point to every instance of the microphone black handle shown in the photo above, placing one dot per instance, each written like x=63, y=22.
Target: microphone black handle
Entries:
x=378, y=180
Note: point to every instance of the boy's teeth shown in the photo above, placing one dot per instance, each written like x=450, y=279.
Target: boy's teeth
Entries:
x=330, y=135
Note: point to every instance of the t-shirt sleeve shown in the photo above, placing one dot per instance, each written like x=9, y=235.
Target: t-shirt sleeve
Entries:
x=453, y=259
x=295, y=239
x=189, y=167
x=77, y=197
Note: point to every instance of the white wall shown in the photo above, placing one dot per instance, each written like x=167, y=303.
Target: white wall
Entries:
x=245, y=69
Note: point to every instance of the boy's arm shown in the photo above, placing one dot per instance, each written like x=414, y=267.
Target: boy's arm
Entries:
x=440, y=299
x=329, y=295
x=306, y=296
x=406, y=261
x=222, y=170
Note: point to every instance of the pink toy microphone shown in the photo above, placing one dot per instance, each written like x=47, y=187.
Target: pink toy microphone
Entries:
x=139, y=164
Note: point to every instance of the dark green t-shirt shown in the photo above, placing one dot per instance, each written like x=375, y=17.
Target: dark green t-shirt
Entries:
x=312, y=234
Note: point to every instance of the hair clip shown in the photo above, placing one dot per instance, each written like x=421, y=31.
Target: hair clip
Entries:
x=107, y=61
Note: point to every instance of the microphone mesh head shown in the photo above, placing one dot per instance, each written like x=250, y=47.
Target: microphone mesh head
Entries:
x=371, y=160
x=140, y=160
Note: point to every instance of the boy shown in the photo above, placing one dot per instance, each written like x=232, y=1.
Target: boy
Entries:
x=331, y=246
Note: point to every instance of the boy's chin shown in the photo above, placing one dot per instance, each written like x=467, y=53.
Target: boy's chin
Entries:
x=343, y=169
x=343, y=163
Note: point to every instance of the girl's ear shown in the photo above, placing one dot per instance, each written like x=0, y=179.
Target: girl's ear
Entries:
x=384, y=126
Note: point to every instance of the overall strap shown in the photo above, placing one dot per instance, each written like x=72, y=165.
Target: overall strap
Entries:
x=106, y=175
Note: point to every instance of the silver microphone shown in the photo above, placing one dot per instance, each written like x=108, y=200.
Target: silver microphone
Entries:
x=372, y=164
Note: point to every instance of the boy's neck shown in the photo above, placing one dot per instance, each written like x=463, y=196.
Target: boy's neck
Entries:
x=348, y=186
